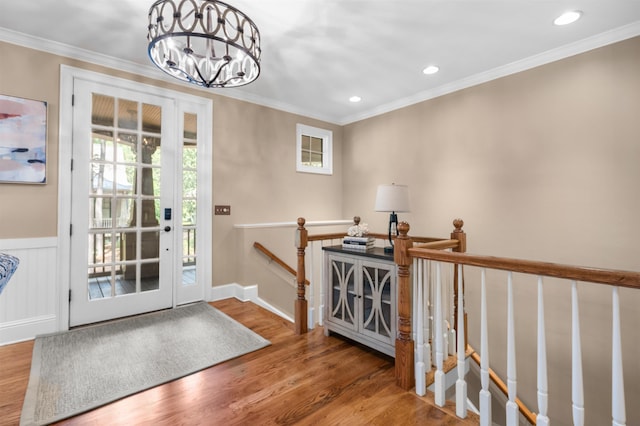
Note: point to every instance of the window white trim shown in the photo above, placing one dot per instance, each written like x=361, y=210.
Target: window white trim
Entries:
x=327, y=149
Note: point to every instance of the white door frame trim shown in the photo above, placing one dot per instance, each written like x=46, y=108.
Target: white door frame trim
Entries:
x=65, y=135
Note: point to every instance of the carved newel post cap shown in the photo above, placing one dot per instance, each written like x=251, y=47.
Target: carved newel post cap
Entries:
x=301, y=222
x=403, y=229
x=356, y=220
x=458, y=223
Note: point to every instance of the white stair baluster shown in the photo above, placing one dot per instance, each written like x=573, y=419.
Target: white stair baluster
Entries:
x=420, y=369
x=577, y=392
x=451, y=341
x=543, y=395
x=432, y=310
x=617, y=378
x=311, y=312
x=322, y=295
x=439, y=379
x=485, y=395
x=461, y=384
x=512, y=407
x=414, y=308
x=426, y=294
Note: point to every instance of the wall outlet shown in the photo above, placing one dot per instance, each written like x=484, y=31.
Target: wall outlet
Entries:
x=225, y=210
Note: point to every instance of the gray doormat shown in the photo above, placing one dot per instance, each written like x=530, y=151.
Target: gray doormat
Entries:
x=79, y=370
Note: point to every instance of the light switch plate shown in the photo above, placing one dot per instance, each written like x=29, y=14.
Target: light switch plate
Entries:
x=224, y=210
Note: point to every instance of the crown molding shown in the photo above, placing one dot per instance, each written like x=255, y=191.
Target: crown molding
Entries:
x=566, y=51
x=149, y=71
x=572, y=49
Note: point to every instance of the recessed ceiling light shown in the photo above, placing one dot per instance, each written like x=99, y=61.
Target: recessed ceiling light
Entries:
x=355, y=99
x=568, y=17
x=431, y=69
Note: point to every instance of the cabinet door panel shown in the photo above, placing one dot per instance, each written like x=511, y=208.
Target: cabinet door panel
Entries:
x=343, y=292
x=378, y=301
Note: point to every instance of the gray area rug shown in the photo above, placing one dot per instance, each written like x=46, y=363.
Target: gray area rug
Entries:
x=76, y=371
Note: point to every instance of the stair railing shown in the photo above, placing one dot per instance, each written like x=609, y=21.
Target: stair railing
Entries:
x=274, y=258
x=309, y=251
x=405, y=255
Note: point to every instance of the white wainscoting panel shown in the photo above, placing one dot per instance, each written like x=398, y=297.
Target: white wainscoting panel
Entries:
x=28, y=304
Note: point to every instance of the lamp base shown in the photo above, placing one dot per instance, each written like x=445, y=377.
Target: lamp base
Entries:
x=388, y=249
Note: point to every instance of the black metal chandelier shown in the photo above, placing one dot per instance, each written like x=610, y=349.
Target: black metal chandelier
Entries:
x=205, y=42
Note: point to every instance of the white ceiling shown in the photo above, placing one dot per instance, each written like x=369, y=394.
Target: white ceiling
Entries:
x=318, y=53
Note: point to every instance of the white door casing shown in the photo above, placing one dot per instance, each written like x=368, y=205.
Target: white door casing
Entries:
x=175, y=105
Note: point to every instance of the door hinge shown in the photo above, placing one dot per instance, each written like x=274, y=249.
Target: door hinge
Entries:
x=70, y=229
x=73, y=100
x=69, y=295
x=72, y=164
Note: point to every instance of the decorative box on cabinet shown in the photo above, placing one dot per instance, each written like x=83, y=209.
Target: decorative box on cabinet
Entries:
x=360, y=296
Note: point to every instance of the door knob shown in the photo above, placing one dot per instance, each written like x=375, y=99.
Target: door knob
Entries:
x=167, y=228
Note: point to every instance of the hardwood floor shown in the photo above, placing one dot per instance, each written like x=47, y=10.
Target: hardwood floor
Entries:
x=307, y=380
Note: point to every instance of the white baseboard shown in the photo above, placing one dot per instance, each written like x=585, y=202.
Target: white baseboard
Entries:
x=245, y=294
x=27, y=329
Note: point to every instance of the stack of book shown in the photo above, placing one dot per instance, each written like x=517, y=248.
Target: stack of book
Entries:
x=358, y=243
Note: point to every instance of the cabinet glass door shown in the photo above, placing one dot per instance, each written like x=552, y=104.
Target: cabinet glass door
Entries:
x=342, y=295
x=378, y=302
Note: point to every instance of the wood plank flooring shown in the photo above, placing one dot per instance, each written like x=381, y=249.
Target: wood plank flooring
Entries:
x=306, y=380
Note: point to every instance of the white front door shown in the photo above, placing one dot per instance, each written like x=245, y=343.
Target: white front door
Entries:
x=135, y=200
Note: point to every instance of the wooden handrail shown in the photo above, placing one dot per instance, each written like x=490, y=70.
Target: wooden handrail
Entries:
x=439, y=245
x=322, y=237
x=340, y=235
x=276, y=259
x=627, y=279
x=503, y=388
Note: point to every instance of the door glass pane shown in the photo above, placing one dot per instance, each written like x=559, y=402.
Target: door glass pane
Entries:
x=102, y=142
x=125, y=177
x=150, y=245
x=149, y=280
x=151, y=150
x=102, y=110
x=148, y=184
x=151, y=118
x=189, y=184
x=127, y=148
x=124, y=194
x=125, y=212
x=189, y=198
x=127, y=114
x=125, y=286
x=189, y=213
x=100, y=264
x=100, y=213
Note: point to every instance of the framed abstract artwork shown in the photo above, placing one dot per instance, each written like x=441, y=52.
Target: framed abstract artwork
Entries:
x=23, y=140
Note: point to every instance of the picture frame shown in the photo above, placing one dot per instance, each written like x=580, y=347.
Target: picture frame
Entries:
x=23, y=140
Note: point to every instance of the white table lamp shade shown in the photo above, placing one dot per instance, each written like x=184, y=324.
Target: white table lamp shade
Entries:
x=392, y=198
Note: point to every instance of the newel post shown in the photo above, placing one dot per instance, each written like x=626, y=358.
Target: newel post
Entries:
x=461, y=236
x=405, y=377
x=301, y=302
